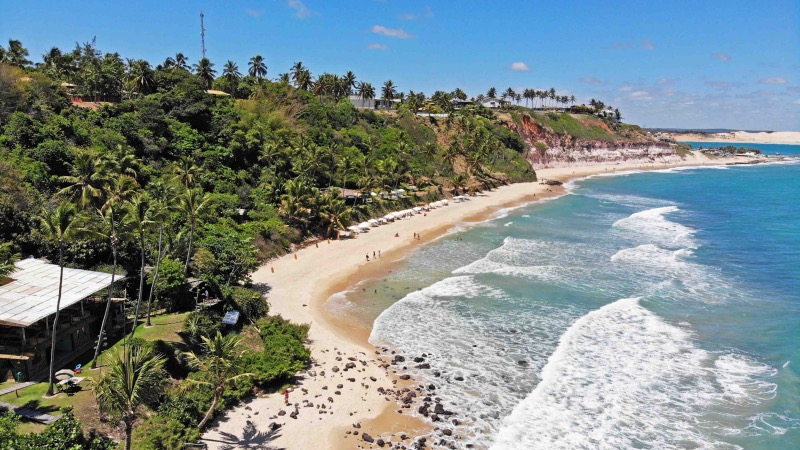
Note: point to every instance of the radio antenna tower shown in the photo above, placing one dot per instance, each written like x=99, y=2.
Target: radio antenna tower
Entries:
x=203, y=33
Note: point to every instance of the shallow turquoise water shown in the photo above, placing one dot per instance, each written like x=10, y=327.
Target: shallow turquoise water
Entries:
x=648, y=310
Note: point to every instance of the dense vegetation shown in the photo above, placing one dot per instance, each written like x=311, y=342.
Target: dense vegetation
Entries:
x=114, y=165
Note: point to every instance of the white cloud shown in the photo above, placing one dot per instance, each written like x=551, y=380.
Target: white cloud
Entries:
x=254, y=12
x=592, y=80
x=663, y=81
x=775, y=80
x=301, y=11
x=414, y=16
x=724, y=57
x=393, y=32
x=377, y=46
x=647, y=44
x=640, y=95
x=519, y=66
x=625, y=89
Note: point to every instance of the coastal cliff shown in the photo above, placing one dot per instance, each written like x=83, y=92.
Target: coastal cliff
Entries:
x=564, y=140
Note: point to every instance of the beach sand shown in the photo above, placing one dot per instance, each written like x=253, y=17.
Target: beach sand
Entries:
x=742, y=137
x=302, y=282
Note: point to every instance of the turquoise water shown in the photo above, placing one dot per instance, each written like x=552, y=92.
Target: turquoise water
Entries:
x=650, y=310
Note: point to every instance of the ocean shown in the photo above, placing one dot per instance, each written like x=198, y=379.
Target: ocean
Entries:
x=656, y=310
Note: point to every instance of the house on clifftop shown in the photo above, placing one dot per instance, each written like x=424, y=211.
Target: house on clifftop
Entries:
x=27, y=311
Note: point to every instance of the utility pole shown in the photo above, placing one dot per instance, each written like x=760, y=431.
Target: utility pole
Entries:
x=203, y=34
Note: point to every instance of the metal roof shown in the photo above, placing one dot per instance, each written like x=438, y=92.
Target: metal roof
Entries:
x=33, y=293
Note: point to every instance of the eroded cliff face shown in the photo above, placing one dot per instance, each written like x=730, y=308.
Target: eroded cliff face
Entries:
x=564, y=151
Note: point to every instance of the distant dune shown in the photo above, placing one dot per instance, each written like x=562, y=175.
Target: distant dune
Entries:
x=744, y=137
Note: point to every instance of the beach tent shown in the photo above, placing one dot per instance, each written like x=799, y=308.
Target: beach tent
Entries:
x=373, y=222
x=390, y=216
x=445, y=202
x=363, y=226
x=353, y=228
x=418, y=209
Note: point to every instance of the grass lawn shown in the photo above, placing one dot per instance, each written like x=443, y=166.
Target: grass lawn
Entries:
x=82, y=402
x=165, y=327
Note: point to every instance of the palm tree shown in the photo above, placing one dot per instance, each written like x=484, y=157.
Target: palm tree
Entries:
x=85, y=182
x=232, y=75
x=334, y=212
x=15, y=54
x=296, y=70
x=135, y=378
x=140, y=77
x=492, y=92
x=205, y=70
x=192, y=203
x=458, y=181
x=185, y=171
x=388, y=92
x=257, y=67
x=164, y=204
x=219, y=367
x=283, y=78
x=61, y=224
x=116, y=229
x=304, y=81
x=350, y=82
x=181, y=62
x=366, y=91
x=140, y=215
x=7, y=260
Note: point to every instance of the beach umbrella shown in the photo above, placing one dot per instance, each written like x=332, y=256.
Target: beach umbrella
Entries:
x=64, y=374
x=445, y=202
x=418, y=209
x=373, y=222
x=363, y=226
x=389, y=216
x=353, y=228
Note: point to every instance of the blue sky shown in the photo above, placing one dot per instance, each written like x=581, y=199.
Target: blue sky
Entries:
x=708, y=64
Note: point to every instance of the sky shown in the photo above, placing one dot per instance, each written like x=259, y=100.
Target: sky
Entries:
x=678, y=64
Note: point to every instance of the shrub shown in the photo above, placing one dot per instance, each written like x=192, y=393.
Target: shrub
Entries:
x=202, y=323
x=284, y=353
x=249, y=302
x=163, y=433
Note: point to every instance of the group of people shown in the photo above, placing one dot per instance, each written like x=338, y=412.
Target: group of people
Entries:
x=374, y=255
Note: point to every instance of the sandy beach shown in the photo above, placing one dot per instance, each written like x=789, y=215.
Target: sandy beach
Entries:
x=742, y=137
x=351, y=389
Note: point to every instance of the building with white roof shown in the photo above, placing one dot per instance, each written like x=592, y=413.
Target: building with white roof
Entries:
x=27, y=309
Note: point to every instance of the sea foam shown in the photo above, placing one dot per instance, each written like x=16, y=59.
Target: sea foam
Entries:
x=623, y=378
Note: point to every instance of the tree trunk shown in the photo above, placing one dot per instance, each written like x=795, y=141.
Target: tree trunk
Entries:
x=108, y=304
x=141, y=286
x=155, y=277
x=189, y=252
x=128, y=434
x=55, y=320
x=210, y=411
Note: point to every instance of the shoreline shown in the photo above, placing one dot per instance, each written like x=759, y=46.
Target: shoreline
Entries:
x=363, y=398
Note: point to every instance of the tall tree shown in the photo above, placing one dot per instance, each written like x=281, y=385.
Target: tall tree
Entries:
x=181, y=62
x=231, y=74
x=59, y=225
x=492, y=92
x=219, y=367
x=15, y=54
x=257, y=67
x=192, y=203
x=139, y=213
x=205, y=70
x=136, y=377
x=116, y=230
x=388, y=92
x=350, y=82
x=85, y=182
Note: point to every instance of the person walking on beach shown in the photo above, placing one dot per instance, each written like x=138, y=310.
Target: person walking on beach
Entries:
x=367, y=256
x=286, y=397
x=373, y=254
